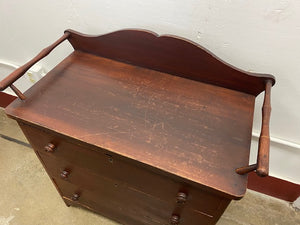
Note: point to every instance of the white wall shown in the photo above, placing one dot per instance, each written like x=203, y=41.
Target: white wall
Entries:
x=258, y=36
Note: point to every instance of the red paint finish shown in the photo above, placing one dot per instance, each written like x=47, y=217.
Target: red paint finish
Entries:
x=275, y=187
x=6, y=99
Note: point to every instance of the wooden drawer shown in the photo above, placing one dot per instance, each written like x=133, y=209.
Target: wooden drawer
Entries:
x=129, y=206
x=71, y=157
x=124, y=205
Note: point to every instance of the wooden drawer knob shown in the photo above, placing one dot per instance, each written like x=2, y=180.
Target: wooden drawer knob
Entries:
x=181, y=197
x=50, y=147
x=64, y=174
x=175, y=219
x=75, y=197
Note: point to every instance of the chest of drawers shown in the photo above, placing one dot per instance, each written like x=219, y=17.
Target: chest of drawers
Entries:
x=144, y=129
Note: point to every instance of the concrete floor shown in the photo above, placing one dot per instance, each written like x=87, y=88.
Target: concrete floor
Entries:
x=29, y=198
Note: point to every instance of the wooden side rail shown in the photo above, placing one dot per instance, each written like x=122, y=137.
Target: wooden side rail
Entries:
x=262, y=165
x=15, y=75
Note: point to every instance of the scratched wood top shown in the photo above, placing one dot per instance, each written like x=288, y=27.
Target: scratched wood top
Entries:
x=187, y=128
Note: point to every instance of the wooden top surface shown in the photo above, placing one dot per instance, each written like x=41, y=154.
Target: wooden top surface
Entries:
x=184, y=127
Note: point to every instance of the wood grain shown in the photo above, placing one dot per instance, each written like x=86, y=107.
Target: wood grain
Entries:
x=262, y=165
x=144, y=129
x=169, y=54
x=186, y=128
x=68, y=157
x=264, y=138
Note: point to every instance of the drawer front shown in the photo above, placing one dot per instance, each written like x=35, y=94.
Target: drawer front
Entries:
x=111, y=166
x=116, y=202
x=121, y=203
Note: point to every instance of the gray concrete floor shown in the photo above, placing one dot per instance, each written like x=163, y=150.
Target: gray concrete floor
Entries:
x=29, y=198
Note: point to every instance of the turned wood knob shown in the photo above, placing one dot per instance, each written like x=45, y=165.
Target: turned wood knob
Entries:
x=75, y=197
x=175, y=220
x=49, y=147
x=64, y=174
x=181, y=197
